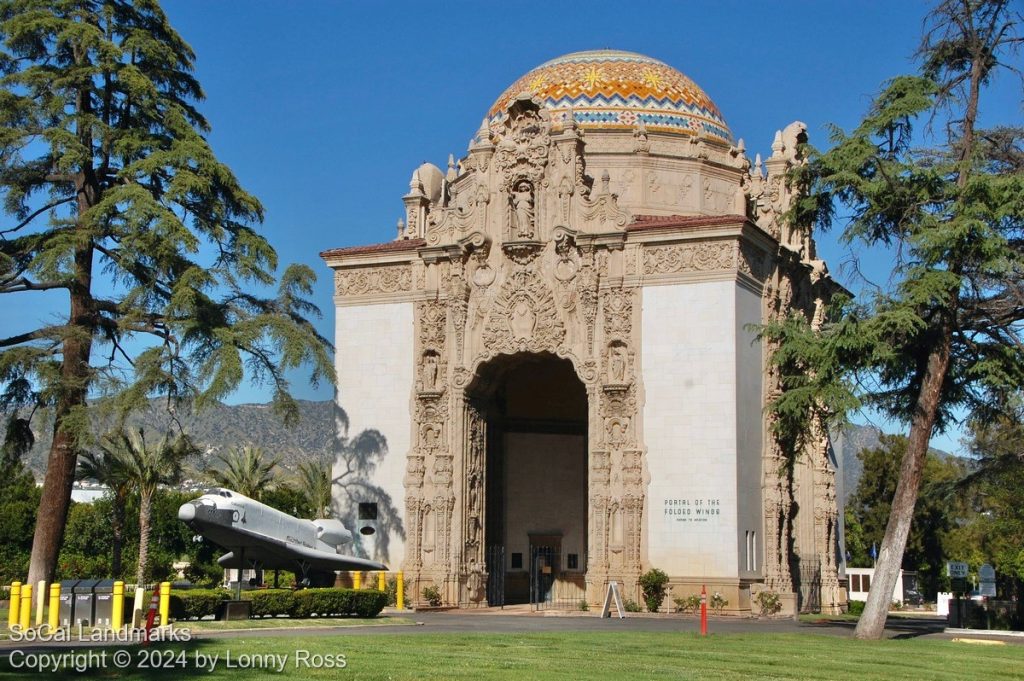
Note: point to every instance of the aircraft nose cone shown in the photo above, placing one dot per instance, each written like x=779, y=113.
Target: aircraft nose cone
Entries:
x=187, y=512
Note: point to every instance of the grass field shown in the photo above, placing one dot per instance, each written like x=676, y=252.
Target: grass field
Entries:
x=574, y=655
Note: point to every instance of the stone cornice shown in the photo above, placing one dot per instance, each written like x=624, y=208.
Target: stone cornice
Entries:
x=403, y=250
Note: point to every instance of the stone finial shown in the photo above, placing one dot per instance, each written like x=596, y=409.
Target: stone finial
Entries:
x=415, y=185
x=401, y=228
x=777, y=145
x=483, y=134
x=453, y=173
x=757, y=165
x=605, y=181
x=741, y=147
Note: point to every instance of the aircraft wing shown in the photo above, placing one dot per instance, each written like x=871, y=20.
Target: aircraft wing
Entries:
x=276, y=553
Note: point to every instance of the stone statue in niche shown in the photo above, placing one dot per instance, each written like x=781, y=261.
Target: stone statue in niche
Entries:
x=430, y=368
x=431, y=436
x=618, y=364
x=475, y=582
x=522, y=210
x=523, y=319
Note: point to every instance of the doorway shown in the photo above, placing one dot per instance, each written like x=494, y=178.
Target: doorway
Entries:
x=536, y=516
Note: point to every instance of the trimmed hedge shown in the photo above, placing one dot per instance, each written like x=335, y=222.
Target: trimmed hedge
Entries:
x=196, y=603
x=334, y=602
x=271, y=602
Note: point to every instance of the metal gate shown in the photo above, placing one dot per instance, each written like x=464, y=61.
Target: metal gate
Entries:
x=496, y=576
x=544, y=568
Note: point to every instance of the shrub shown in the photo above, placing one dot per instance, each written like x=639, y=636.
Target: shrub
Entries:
x=368, y=603
x=323, y=602
x=583, y=605
x=856, y=608
x=333, y=602
x=632, y=606
x=192, y=603
x=768, y=601
x=652, y=584
x=718, y=602
x=432, y=595
x=690, y=603
x=271, y=602
x=391, y=589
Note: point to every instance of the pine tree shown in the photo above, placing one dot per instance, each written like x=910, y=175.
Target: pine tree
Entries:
x=115, y=199
x=943, y=336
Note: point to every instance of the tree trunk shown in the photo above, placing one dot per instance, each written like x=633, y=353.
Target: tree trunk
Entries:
x=60, y=467
x=75, y=374
x=871, y=624
x=117, y=526
x=145, y=510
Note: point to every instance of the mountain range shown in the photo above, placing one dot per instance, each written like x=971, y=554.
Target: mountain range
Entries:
x=222, y=427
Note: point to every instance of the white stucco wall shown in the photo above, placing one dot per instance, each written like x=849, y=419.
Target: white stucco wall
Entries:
x=374, y=361
x=690, y=417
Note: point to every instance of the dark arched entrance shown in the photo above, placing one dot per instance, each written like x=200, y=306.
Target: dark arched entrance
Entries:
x=535, y=527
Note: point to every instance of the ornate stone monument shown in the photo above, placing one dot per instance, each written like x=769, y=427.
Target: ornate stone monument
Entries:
x=603, y=238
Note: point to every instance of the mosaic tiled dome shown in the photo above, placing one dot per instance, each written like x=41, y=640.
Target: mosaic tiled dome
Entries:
x=613, y=89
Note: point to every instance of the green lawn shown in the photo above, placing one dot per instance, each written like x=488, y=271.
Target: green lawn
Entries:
x=574, y=655
x=287, y=623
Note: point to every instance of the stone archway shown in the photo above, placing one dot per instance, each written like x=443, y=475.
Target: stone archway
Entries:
x=527, y=492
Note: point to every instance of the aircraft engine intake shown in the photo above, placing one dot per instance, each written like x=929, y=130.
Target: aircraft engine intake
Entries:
x=331, y=531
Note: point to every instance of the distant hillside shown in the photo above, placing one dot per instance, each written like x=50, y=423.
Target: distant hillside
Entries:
x=225, y=426
x=222, y=427
x=855, y=438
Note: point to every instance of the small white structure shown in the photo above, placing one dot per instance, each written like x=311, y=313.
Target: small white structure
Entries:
x=860, y=584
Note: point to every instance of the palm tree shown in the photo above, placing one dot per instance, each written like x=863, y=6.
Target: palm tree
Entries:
x=146, y=466
x=314, y=480
x=245, y=471
x=107, y=468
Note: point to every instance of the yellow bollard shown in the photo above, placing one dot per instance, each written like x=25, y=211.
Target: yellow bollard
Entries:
x=40, y=602
x=380, y=582
x=400, y=590
x=25, y=613
x=117, y=610
x=12, y=615
x=357, y=579
x=165, y=604
x=54, y=614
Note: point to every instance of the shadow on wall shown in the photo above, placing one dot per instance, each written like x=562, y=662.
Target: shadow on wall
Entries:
x=355, y=460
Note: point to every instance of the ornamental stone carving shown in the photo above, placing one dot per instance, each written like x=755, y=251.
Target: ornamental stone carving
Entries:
x=387, y=279
x=702, y=257
x=524, y=317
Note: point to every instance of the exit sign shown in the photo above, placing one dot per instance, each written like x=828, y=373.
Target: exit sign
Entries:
x=956, y=569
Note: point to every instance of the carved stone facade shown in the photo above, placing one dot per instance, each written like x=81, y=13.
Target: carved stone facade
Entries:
x=523, y=248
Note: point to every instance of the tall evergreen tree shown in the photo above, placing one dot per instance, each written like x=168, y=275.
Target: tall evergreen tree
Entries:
x=944, y=336
x=115, y=200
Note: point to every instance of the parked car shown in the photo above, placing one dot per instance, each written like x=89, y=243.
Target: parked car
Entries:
x=911, y=597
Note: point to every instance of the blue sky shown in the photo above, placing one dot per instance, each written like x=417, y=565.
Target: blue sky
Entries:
x=323, y=109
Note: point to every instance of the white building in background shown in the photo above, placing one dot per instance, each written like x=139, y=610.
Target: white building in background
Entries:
x=557, y=348
x=860, y=580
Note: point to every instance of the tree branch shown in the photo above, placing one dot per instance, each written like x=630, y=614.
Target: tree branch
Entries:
x=33, y=216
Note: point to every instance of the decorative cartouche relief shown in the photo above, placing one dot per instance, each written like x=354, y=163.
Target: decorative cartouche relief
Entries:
x=524, y=316
x=698, y=257
x=382, y=279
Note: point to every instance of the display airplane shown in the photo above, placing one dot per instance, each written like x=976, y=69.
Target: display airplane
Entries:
x=257, y=535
